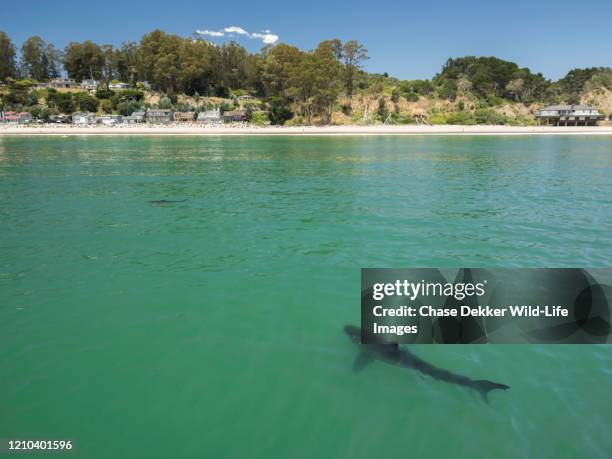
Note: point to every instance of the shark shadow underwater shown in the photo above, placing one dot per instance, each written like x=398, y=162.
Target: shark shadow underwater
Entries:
x=165, y=201
x=392, y=354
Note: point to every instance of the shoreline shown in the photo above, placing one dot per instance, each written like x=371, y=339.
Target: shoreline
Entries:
x=191, y=130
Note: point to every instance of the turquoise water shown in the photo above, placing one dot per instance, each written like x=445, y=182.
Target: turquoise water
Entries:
x=213, y=327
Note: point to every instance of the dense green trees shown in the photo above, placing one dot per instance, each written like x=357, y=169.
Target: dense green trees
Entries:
x=39, y=61
x=489, y=76
x=84, y=60
x=7, y=57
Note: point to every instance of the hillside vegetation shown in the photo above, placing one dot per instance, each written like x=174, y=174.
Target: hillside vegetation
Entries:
x=326, y=85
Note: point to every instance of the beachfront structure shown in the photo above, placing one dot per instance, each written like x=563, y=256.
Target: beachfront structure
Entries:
x=110, y=120
x=569, y=115
x=135, y=118
x=210, y=116
x=234, y=116
x=16, y=118
x=90, y=84
x=159, y=116
x=60, y=119
x=185, y=117
x=62, y=83
x=9, y=117
x=83, y=118
x=119, y=86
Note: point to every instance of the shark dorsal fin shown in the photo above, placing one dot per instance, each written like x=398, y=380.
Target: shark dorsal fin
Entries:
x=361, y=361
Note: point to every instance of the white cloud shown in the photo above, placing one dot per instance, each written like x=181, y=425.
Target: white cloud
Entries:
x=236, y=29
x=267, y=37
x=210, y=33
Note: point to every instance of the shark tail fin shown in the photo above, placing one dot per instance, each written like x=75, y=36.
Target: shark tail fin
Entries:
x=484, y=387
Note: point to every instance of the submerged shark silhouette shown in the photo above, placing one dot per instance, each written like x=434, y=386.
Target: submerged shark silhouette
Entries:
x=166, y=201
x=392, y=354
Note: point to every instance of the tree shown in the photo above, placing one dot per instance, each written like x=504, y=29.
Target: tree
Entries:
x=328, y=80
x=382, y=111
x=314, y=83
x=464, y=84
x=85, y=102
x=84, y=60
x=54, y=59
x=7, y=57
x=280, y=111
x=278, y=67
x=62, y=101
x=106, y=105
x=34, y=62
x=159, y=60
x=352, y=55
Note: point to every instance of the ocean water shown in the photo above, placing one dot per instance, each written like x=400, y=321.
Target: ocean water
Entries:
x=213, y=327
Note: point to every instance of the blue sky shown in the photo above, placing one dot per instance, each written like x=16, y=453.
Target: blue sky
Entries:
x=407, y=39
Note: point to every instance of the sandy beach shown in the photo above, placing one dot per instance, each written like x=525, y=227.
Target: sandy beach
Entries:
x=197, y=130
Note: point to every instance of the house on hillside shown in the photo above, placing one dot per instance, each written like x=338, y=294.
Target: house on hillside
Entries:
x=210, y=116
x=83, y=118
x=62, y=83
x=16, y=118
x=159, y=116
x=110, y=120
x=90, y=84
x=119, y=86
x=569, y=115
x=234, y=116
x=9, y=117
x=24, y=117
x=184, y=117
x=60, y=119
x=135, y=118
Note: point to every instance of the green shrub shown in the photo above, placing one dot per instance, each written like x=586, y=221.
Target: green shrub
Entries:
x=127, y=108
x=106, y=105
x=488, y=116
x=104, y=93
x=438, y=118
x=85, y=102
x=464, y=118
x=402, y=119
x=259, y=119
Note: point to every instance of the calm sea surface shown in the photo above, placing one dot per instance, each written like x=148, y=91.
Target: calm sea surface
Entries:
x=213, y=327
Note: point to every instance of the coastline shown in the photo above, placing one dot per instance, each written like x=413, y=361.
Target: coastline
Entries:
x=355, y=130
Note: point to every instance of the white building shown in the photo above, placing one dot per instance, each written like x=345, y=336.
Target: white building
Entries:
x=90, y=85
x=83, y=118
x=210, y=116
x=119, y=86
x=111, y=120
x=569, y=115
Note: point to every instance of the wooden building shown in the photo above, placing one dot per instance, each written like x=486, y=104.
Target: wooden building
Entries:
x=159, y=116
x=62, y=83
x=234, y=116
x=135, y=118
x=184, y=117
x=569, y=115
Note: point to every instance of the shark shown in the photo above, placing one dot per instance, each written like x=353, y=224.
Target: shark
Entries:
x=392, y=354
x=166, y=201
